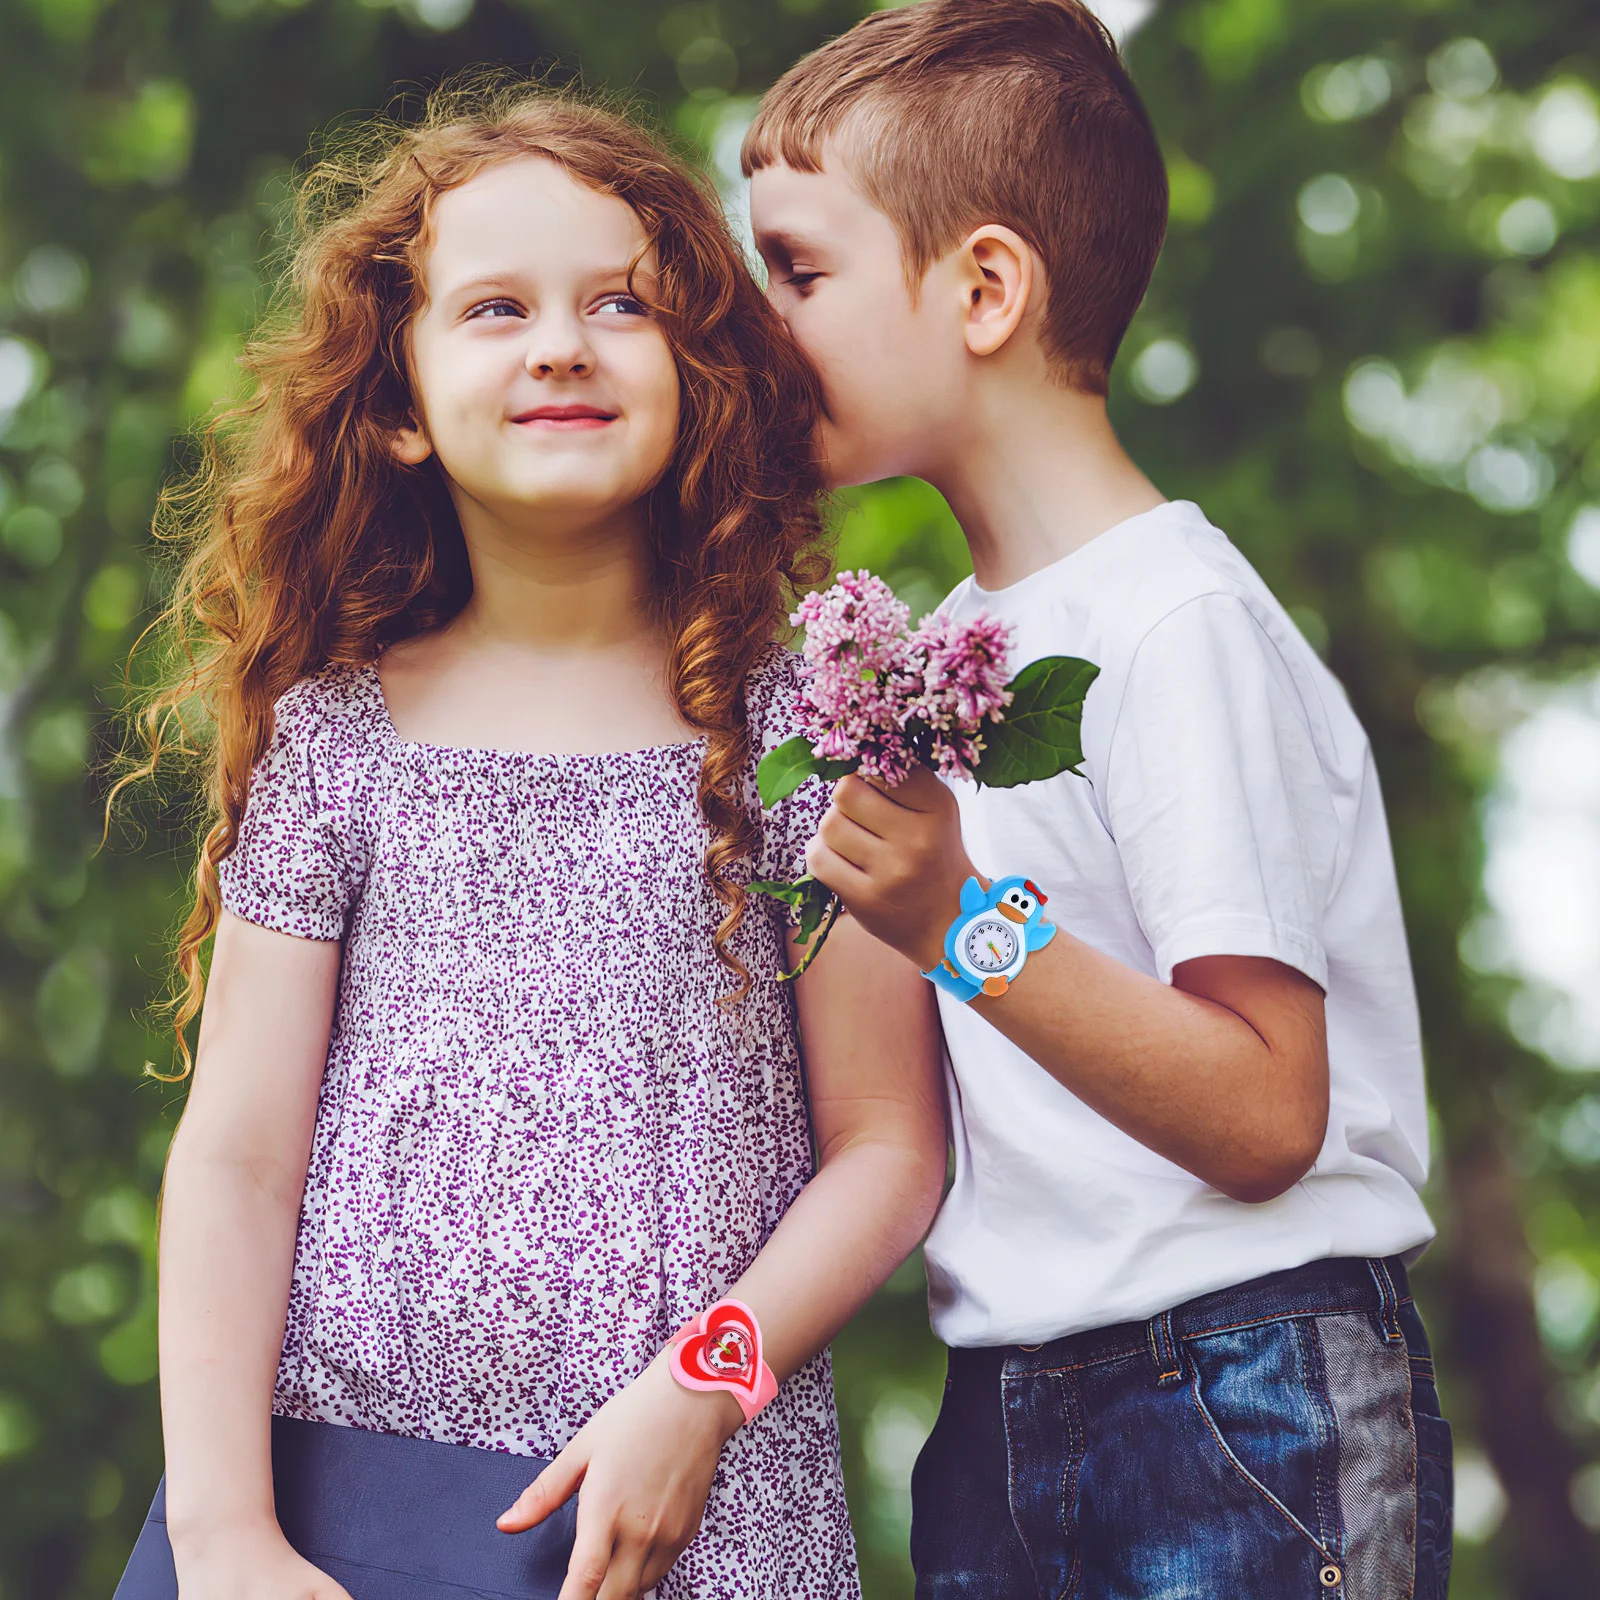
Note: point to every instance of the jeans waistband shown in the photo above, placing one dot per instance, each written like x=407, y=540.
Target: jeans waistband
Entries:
x=1377, y=1286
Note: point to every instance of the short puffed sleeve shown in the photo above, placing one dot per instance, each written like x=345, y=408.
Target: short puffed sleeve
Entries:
x=296, y=865
x=773, y=700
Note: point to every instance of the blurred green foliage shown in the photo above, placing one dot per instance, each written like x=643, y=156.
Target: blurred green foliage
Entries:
x=1372, y=352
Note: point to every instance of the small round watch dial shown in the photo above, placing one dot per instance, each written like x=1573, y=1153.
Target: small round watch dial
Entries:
x=990, y=946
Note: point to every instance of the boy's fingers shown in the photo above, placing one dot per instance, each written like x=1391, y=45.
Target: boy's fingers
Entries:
x=848, y=839
x=865, y=803
x=551, y=1489
x=829, y=867
x=923, y=790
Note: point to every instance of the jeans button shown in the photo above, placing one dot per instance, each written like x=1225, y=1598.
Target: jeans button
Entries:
x=1330, y=1577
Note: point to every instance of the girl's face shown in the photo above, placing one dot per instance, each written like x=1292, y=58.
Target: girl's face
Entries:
x=542, y=384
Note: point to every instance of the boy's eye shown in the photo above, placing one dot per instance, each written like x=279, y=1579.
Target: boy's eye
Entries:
x=626, y=305
x=495, y=308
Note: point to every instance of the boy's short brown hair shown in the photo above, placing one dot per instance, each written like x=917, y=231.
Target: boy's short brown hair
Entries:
x=953, y=113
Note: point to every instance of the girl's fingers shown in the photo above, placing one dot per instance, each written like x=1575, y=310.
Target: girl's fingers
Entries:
x=625, y=1580
x=551, y=1489
x=659, y=1562
x=591, y=1556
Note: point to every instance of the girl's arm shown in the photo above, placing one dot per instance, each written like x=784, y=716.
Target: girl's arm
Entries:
x=646, y=1459
x=230, y=1206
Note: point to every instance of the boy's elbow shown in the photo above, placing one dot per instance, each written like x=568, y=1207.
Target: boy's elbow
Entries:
x=1275, y=1168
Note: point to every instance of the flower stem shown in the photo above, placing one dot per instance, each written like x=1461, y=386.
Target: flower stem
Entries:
x=818, y=939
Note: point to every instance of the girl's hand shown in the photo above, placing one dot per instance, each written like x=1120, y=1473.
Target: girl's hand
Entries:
x=645, y=1461
x=258, y=1564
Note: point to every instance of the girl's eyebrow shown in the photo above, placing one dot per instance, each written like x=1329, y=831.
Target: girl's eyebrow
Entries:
x=511, y=280
x=480, y=282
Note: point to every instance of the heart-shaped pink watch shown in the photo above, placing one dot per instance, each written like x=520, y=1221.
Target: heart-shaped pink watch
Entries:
x=721, y=1349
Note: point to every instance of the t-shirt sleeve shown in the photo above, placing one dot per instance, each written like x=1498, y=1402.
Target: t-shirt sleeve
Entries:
x=775, y=715
x=293, y=866
x=1214, y=791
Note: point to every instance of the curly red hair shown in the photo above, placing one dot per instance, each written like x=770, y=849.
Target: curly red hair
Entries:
x=308, y=545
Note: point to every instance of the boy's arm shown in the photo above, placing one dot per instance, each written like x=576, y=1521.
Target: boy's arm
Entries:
x=1225, y=1072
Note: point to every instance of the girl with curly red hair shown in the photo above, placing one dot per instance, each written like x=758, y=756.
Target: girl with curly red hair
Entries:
x=494, y=1093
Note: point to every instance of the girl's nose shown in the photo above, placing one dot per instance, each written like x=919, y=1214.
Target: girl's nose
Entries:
x=557, y=348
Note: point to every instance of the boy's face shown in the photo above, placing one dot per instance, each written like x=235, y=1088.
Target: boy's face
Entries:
x=892, y=368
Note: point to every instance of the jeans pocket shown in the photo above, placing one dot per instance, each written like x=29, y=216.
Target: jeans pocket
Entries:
x=1257, y=1392
x=1435, y=1506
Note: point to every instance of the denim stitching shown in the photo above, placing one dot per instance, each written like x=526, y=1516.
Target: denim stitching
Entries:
x=1073, y=1410
x=1244, y=1472
x=1389, y=1301
x=1011, y=1486
x=1200, y=1333
x=1314, y=1374
x=1131, y=1354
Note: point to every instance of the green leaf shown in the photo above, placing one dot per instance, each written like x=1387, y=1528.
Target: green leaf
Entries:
x=784, y=769
x=790, y=893
x=815, y=900
x=1042, y=734
x=817, y=907
x=819, y=910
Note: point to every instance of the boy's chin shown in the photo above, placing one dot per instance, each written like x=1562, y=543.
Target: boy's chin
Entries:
x=846, y=465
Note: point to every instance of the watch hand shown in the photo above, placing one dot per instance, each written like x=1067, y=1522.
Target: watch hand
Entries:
x=992, y=951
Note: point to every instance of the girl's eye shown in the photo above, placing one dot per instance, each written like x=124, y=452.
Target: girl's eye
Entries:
x=495, y=308
x=626, y=305
x=801, y=282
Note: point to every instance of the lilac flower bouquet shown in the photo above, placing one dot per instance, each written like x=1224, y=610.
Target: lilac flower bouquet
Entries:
x=881, y=698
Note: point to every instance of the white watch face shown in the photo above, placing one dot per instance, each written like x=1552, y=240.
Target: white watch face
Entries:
x=990, y=945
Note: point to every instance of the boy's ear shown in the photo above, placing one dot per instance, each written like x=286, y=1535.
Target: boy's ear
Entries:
x=411, y=443
x=999, y=269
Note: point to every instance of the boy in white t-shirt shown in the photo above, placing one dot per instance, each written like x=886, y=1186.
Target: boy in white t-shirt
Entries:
x=1190, y=1134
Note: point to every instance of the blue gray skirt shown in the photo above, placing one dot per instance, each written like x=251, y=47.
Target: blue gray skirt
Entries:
x=390, y=1518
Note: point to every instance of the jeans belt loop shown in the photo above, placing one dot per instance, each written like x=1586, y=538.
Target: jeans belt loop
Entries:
x=1164, y=1349
x=1388, y=1300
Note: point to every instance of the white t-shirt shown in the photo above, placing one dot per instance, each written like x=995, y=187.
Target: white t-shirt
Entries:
x=1231, y=808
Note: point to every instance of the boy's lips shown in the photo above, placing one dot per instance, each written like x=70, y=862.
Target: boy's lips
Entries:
x=565, y=417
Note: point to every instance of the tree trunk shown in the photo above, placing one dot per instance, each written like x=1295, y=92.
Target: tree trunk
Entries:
x=1496, y=1345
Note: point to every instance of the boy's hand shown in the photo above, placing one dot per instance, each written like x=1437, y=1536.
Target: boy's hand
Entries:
x=643, y=1465
x=895, y=857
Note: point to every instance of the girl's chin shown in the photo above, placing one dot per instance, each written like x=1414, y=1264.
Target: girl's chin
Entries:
x=567, y=500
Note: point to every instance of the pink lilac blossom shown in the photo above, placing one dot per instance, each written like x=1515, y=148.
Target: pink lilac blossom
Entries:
x=964, y=680
x=886, y=698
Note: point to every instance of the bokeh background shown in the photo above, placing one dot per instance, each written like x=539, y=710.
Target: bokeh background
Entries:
x=1372, y=352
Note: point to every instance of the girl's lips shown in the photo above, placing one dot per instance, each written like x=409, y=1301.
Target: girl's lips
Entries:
x=565, y=418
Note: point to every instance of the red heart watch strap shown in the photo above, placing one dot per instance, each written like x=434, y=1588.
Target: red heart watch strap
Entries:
x=721, y=1349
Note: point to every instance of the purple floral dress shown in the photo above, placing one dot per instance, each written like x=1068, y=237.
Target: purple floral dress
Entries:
x=541, y=1143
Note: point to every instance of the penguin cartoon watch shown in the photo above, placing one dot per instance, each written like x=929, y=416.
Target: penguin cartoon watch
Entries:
x=994, y=935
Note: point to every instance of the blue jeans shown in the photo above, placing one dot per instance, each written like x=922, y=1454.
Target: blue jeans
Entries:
x=1280, y=1440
